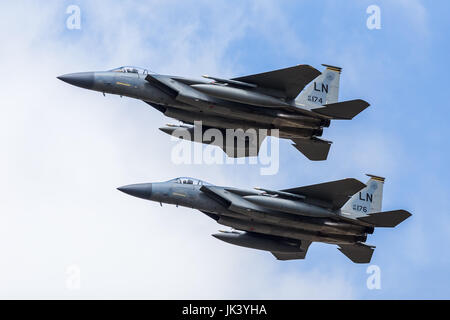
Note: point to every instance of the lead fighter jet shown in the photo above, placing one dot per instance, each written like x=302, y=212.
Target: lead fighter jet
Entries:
x=270, y=100
x=285, y=222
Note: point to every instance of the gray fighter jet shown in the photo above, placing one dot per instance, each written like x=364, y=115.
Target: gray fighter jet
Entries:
x=267, y=101
x=285, y=222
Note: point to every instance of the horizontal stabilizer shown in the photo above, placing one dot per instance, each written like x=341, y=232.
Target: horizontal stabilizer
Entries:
x=345, y=110
x=358, y=252
x=336, y=192
x=386, y=219
x=314, y=149
x=290, y=81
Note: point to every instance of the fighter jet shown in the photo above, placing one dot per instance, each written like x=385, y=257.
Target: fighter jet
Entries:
x=263, y=102
x=285, y=222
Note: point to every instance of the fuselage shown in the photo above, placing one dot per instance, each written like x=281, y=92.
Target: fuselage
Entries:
x=212, y=111
x=317, y=225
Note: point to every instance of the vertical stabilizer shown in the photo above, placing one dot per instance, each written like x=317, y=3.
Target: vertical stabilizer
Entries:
x=366, y=201
x=322, y=90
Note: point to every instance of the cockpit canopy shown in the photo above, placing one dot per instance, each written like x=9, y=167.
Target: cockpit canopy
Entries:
x=131, y=69
x=187, y=180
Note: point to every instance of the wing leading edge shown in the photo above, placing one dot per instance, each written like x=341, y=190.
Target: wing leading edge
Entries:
x=337, y=193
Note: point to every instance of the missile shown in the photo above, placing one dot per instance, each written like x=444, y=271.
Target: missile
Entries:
x=290, y=206
x=240, y=95
x=324, y=226
x=185, y=133
x=170, y=129
x=253, y=241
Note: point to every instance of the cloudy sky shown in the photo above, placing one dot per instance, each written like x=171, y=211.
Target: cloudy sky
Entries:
x=64, y=150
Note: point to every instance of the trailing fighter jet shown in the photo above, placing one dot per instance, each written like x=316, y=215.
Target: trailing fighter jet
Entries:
x=265, y=101
x=285, y=222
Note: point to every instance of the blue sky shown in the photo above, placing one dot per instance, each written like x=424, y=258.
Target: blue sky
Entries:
x=72, y=148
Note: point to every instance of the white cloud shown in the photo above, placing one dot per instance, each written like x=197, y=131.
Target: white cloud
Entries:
x=415, y=15
x=65, y=150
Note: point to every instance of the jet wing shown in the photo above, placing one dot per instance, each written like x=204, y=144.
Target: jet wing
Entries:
x=358, y=252
x=294, y=255
x=314, y=149
x=336, y=193
x=243, y=147
x=290, y=81
x=289, y=255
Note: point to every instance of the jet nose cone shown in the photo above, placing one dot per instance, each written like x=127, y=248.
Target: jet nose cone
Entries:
x=143, y=190
x=80, y=79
